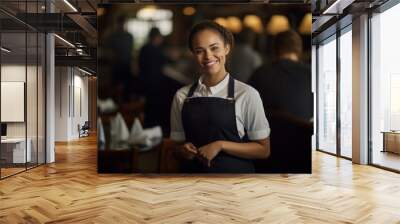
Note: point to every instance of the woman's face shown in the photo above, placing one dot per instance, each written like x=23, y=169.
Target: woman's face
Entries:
x=210, y=51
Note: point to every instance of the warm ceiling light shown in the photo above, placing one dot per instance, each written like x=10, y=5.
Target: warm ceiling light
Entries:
x=306, y=24
x=70, y=5
x=189, y=11
x=253, y=22
x=152, y=13
x=221, y=21
x=234, y=24
x=5, y=50
x=100, y=11
x=147, y=12
x=277, y=24
x=65, y=41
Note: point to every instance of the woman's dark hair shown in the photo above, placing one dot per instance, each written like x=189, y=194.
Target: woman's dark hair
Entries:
x=225, y=34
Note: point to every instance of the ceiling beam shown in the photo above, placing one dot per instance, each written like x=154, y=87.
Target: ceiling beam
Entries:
x=84, y=24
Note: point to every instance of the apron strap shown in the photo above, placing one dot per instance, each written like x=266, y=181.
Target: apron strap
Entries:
x=193, y=88
x=231, y=88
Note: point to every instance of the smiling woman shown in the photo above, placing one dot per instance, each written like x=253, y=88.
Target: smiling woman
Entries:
x=218, y=122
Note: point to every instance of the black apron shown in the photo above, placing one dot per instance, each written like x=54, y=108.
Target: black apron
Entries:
x=209, y=119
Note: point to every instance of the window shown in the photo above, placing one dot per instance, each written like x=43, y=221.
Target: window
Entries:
x=346, y=94
x=385, y=88
x=327, y=96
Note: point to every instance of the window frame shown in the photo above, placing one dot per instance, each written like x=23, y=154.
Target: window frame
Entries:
x=334, y=37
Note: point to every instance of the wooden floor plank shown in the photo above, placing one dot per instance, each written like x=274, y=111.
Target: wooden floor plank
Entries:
x=71, y=191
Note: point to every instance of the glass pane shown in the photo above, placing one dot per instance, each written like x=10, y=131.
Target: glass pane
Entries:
x=31, y=85
x=31, y=97
x=13, y=86
x=327, y=97
x=346, y=94
x=23, y=80
x=41, y=98
x=386, y=89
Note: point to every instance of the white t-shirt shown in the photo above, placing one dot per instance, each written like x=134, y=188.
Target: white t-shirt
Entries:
x=249, y=109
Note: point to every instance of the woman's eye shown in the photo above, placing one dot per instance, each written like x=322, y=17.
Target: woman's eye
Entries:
x=214, y=48
x=198, y=51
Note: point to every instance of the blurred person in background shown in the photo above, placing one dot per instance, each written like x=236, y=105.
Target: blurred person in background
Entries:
x=285, y=85
x=159, y=89
x=151, y=61
x=244, y=60
x=177, y=65
x=119, y=45
x=285, y=89
x=218, y=122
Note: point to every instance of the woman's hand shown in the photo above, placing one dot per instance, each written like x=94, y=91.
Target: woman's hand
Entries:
x=210, y=151
x=188, y=151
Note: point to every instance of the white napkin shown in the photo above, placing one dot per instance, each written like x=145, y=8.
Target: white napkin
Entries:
x=101, y=136
x=107, y=105
x=137, y=136
x=136, y=129
x=119, y=133
x=140, y=136
x=154, y=132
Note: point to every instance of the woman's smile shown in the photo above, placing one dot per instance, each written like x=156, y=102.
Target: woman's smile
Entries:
x=210, y=63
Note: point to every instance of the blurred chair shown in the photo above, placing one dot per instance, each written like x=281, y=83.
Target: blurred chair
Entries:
x=168, y=162
x=84, y=130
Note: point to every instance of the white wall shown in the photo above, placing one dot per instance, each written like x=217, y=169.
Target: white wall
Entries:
x=13, y=72
x=62, y=80
x=9, y=73
x=71, y=87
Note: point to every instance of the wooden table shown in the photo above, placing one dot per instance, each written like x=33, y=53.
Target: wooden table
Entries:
x=391, y=141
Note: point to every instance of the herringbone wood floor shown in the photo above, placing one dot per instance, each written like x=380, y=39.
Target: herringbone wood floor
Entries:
x=71, y=191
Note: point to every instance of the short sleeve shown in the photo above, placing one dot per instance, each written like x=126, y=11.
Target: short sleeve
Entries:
x=255, y=121
x=177, y=132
